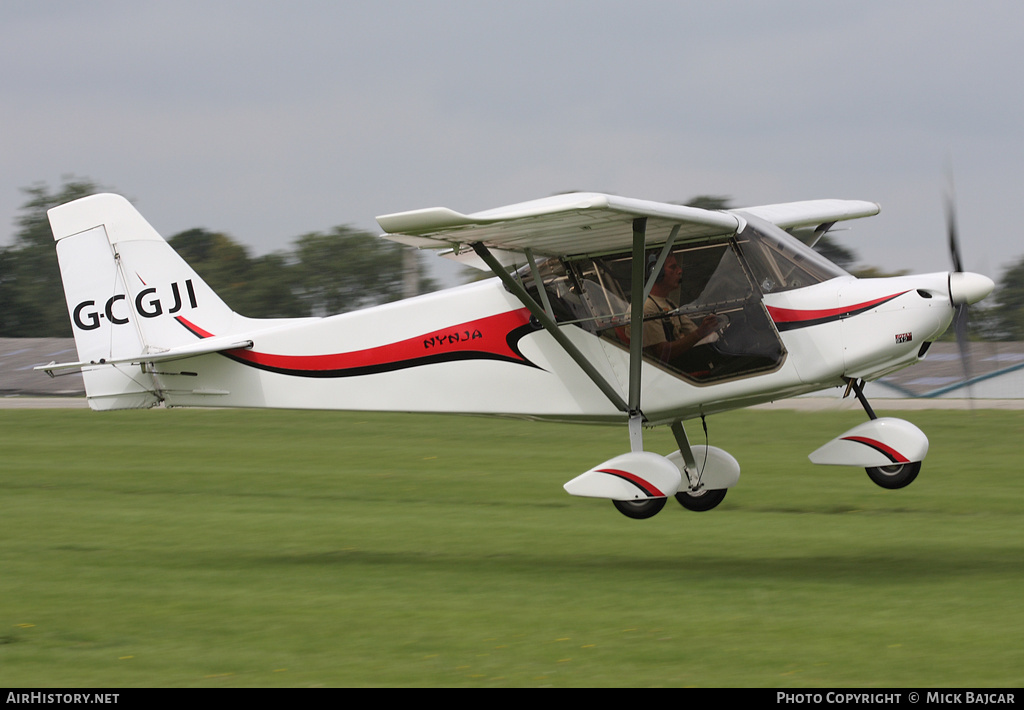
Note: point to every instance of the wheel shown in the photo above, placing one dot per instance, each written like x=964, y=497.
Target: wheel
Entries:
x=640, y=509
x=701, y=500
x=895, y=476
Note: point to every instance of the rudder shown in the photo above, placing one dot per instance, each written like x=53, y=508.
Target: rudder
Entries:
x=128, y=293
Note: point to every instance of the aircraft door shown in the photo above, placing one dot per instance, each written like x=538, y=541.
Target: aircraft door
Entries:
x=703, y=320
x=710, y=289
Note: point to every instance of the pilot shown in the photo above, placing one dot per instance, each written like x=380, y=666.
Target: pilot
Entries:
x=670, y=337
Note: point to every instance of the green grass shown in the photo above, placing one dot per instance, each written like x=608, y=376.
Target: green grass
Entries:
x=234, y=548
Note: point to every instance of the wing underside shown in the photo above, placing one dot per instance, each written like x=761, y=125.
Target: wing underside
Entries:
x=593, y=223
x=578, y=223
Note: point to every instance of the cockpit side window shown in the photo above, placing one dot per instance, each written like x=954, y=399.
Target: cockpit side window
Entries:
x=711, y=290
x=581, y=293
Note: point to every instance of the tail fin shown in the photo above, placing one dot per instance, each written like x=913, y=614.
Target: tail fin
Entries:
x=128, y=294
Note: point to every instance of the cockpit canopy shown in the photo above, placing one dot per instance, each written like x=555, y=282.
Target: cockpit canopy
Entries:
x=724, y=276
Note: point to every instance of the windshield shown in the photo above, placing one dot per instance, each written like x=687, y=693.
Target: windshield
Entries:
x=779, y=261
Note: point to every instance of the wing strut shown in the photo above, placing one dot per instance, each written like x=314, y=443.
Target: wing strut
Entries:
x=661, y=262
x=544, y=300
x=550, y=325
x=636, y=333
x=638, y=292
x=636, y=315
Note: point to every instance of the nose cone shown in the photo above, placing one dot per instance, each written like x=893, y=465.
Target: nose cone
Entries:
x=966, y=287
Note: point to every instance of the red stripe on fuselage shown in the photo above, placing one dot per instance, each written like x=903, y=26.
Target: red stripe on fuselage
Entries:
x=485, y=338
x=792, y=315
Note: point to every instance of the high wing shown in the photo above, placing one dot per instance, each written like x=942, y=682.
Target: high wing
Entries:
x=562, y=225
x=593, y=223
x=810, y=213
x=808, y=221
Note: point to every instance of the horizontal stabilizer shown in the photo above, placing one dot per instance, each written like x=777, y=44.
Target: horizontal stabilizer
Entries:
x=203, y=347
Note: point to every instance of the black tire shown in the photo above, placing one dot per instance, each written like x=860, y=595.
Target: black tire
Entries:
x=896, y=476
x=704, y=500
x=640, y=509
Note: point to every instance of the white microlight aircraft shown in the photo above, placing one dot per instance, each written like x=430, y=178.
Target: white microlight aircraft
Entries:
x=620, y=311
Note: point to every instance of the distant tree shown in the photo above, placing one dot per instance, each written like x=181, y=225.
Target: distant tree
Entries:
x=273, y=292
x=1004, y=319
x=836, y=253
x=981, y=325
x=346, y=269
x=710, y=202
x=32, y=301
x=846, y=259
x=325, y=273
x=873, y=272
x=257, y=288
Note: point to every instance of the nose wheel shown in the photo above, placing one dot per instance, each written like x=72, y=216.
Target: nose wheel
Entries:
x=895, y=476
x=898, y=475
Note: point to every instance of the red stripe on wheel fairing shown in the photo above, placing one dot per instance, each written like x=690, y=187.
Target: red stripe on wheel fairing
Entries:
x=889, y=452
x=644, y=485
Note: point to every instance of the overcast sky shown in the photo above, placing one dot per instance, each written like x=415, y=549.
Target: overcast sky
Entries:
x=266, y=120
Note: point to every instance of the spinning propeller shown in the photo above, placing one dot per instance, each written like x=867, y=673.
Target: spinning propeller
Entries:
x=960, y=315
x=964, y=287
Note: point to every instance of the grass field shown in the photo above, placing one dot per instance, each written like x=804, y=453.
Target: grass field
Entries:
x=233, y=548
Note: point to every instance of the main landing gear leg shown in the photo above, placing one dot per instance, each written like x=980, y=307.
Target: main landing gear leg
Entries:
x=690, y=470
x=695, y=496
x=644, y=508
x=636, y=432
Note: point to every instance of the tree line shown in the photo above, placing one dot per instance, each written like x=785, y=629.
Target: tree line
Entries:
x=335, y=271
x=328, y=272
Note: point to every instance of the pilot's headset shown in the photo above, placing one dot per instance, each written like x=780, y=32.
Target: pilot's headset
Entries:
x=652, y=261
